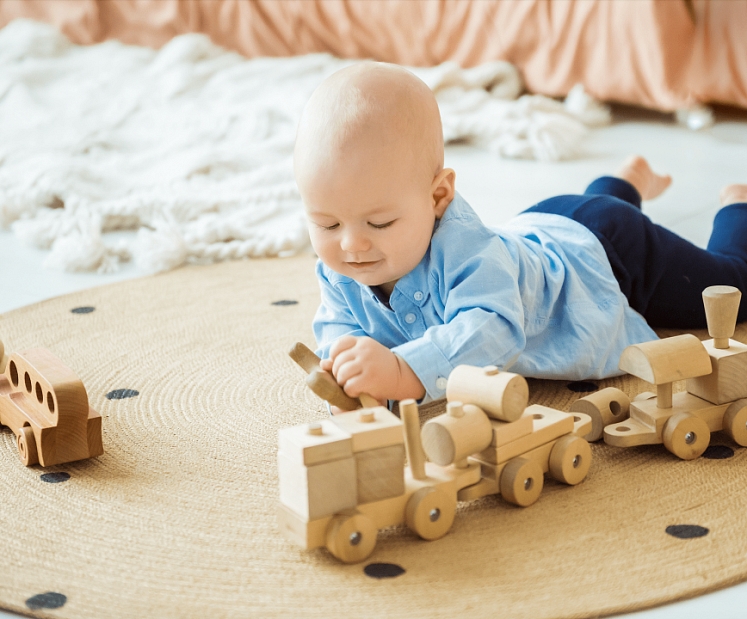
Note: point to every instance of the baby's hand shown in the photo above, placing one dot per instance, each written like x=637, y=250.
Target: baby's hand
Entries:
x=363, y=365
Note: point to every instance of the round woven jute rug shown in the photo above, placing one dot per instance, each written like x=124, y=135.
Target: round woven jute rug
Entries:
x=177, y=519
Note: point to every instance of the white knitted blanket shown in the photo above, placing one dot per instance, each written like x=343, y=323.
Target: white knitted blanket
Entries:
x=191, y=145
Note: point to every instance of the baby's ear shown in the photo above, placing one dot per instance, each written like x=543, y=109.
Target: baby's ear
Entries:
x=442, y=190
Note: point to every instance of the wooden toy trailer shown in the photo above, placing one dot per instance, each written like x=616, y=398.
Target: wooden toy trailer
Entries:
x=46, y=406
x=343, y=479
x=716, y=385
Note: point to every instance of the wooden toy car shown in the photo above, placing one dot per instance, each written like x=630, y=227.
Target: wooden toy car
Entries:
x=344, y=478
x=46, y=406
x=716, y=385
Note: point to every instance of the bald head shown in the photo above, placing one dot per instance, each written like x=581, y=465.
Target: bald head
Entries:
x=375, y=108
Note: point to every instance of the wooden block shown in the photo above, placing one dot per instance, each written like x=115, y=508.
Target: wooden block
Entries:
x=581, y=424
x=667, y=360
x=630, y=433
x=648, y=414
x=306, y=445
x=605, y=407
x=380, y=473
x=93, y=434
x=371, y=428
x=307, y=534
x=728, y=380
x=502, y=395
x=460, y=432
x=43, y=394
x=507, y=431
x=548, y=424
x=318, y=490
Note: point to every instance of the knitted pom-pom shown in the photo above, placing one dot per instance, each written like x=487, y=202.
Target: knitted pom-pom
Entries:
x=161, y=249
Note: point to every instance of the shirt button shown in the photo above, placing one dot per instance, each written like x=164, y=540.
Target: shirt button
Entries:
x=418, y=296
x=410, y=318
x=441, y=383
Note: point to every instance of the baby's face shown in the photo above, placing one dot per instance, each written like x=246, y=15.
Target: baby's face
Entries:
x=370, y=217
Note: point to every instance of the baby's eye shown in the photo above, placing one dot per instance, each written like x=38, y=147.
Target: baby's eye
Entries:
x=380, y=226
x=332, y=227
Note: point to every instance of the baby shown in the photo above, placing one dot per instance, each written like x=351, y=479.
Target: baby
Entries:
x=413, y=284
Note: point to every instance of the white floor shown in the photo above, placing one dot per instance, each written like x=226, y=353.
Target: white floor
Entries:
x=701, y=164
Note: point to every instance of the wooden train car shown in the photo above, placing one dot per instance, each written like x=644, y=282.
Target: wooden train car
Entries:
x=715, y=399
x=46, y=406
x=343, y=479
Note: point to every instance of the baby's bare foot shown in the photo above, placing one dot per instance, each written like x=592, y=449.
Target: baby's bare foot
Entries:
x=731, y=194
x=638, y=173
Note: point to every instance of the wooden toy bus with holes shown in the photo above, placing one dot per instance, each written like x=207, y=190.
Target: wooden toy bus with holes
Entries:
x=716, y=385
x=344, y=478
x=46, y=406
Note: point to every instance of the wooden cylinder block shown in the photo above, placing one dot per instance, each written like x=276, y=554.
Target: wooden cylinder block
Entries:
x=502, y=395
x=449, y=438
x=408, y=412
x=721, y=307
x=605, y=407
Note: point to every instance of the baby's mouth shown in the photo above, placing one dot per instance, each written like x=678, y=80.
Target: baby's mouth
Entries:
x=362, y=265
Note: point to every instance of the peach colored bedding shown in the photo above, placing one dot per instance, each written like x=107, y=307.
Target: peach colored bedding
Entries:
x=663, y=54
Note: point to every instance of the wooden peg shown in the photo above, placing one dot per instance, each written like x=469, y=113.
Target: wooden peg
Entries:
x=305, y=357
x=408, y=412
x=325, y=386
x=721, y=307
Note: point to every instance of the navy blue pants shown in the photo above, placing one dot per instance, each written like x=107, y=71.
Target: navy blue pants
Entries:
x=661, y=274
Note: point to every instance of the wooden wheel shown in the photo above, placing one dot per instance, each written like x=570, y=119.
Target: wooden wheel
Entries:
x=521, y=482
x=735, y=422
x=27, y=446
x=570, y=459
x=686, y=435
x=351, y=536
x=430, y=512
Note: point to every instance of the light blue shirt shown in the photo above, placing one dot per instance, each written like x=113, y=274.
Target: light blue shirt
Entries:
x=536, y=297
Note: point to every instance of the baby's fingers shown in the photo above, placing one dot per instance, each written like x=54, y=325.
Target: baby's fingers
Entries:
x=342, y=344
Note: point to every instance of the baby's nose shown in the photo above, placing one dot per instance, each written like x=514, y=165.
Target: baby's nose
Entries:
x=354, y=241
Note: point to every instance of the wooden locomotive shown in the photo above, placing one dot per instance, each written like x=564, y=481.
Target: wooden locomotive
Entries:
x=343, y=478
x=716, y=387
x=46, y=406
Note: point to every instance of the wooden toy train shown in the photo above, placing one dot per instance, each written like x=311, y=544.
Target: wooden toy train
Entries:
x=46, y=406
x=715, y=399
x=344, y=478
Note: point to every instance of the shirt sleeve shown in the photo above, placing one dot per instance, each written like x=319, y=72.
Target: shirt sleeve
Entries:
x=483, y=317
x=615, y=187
x=333, y=319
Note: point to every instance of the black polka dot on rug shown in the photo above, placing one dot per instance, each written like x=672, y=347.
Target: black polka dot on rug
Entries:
x=285, y=302
x=50, y=599
x=718, y=452
x=383, y=570
x=55, y=478
x=86, y=309
x=686, y=531
x=582, y=386
x=121, y=394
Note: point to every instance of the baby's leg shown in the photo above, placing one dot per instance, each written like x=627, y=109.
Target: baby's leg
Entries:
x=636, y=170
